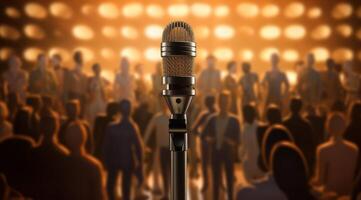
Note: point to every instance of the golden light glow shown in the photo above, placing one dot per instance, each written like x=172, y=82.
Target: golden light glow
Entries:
x=31, y=53
x=109, y=31
x=178, y=10
x=224, y=31
x=129, y=32
x=34, y=31
x=295, y=32
x=5, y=53
x=65, y=55
x=221, y=11
x=108, y=10
x=358, y=12
x=321, y=53
x=247, y=10
x=202, y=54
x=61, y=10
x=153, y=31
x=292, y=77
x=321, y=32
x=88, y=54
x=314, y=12
x=201, y=32
x=270, y=10
x=359, y=55
x=83, y=32
x=12, y=12
x=201, y=9
x=9, y=32
x=342, y=54
x=342, y=10
x=290, y=55
x=132, y=10
x=344, y=30
x=155, y=11
x=36, y=10
x=88, y=9
x=107, y=53
x=246, y=30
x=270, y=32
x=358, y=34
x=294, y=10
x=223, y=53
x=152, y=54
x=246, y=54
x=267, y=52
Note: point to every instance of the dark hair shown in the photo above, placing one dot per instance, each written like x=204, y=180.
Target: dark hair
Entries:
x=209, y=101
x=34, y=101
x=296, y=105
x=96, y=66
x=22, y=121
x=230, y=64
x=125, y=107
x=249, y=113
x=72, y=108
x=78, y=57
x=49, y=125
x=356, y=112
x=273, y=114
x=112, y=108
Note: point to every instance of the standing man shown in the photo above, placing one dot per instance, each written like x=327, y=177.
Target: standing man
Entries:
x=249, y=82
x=331, y=84
x=209, y=82
x=124, y=83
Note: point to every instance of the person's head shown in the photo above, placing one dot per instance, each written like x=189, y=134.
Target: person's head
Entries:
x=330, y=63
x=275, y=60
x=249, y=113
x=311, y=110
x=211, y=62
x=296, y=105
x=56, y=60
x=97, y=69
x=4, y=113
x=124, y=65
x=210, y=102
x=273, y=135
x=125, y=108
x=72, y=109
x=78, y=58
x=75, y=137
x=355, y=113
x=49, y=127
x=35, y=102
x=290, y=170
x=232, y=67
x=336, y=124
x=139, y=69
x=112, y=109
x=22, y=121
x=273, y=114
x=246, y=67
x=224, y=101
x=310, y=60
x=42, y=61
x=14, y=63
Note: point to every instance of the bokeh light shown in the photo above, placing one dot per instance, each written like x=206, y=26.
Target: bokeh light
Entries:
x=294, y=10
x=5, y=53
x=321, y=32
x=266, y=53
x=221, y=11
x=270, y=32
x=88, y=9
x=201, y=10
x=178, y=10
x=270, y=10
x=202, y=53
x=108, y=10
x=12, y=12
x=223, y=53
x=295, y=32
x=155, y=11
x=153, y=31
x=201, y=32
x=30, y=54
x=34, y=31
x=291, y=77
x=342, y=54
x=88, y=54
x=345, y=30
x=290, y=55
x=107, y=53
x=9, y=32
x=132, y=10
x=61, y=10
x=152, y=54
x=83, y=32
x=131, y=53
x=109, y=31
x=35, y=10
x=342, y=10
x=129, y=32
x=321, y=53
x=314, y=12
x=246, y=54
x=224, y=31
x=247, y=10
x=65, y=54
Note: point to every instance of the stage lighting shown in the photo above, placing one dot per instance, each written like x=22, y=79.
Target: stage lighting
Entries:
x=321, y=32
x=34, y=32
x=131, y=53
x=129, y=32
x=12, y=12
x=344, y=30
x=270, y=10
x=83, y=32
x=155, y=11
x=35, y=10
x=153, y=31
x=132, y=10
x=295, y=32
x=247, y=10
x=88, y=54
x=201, y=10
x=61, y=10
x=178, y=10
x=109, y=32
x=30, y=54
x=267, y=52
x=246, y=30
x=224, y=31
x=294, y=10
x=5, y=53
x=223, y=53
x=152, y=54
x=88, y=9
x=314, y=12
x=108, y=10
x=270, y=32
x=9, y=32
x=65, y=55
x=246, y=54
x=201, y=32
x=321, y=53
x=292, y=77
x=221, y=11
x=342, y=10
x=290, y=55
x=107, y=53
x=342, y=54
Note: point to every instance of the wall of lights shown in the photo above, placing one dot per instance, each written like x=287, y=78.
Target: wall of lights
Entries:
x=240, y=30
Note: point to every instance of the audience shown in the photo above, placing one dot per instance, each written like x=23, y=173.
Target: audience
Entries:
x=209, y=80
x=250, y=87
x=6, y=128
x=230, y=84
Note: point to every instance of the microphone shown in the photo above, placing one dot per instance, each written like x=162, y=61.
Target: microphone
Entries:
x=178, y=50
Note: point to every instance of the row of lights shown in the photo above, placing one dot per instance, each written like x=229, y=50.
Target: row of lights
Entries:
x=111, y=10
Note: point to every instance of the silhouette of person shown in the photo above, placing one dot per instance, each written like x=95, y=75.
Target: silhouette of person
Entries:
x=122, y=151
x=223, y=132
x=250, y=87
x=141, y=85
x=14, y=105
x=22, y=123
x=6, y=128
x=84, y=172
x=124, y=82
x=331, y=84
x=59, y=71
x=317, y=123
x=157, y=86
x=230, y=84
x=47, y=105
x=334, y=156
x=209, y=80
x=36, y=103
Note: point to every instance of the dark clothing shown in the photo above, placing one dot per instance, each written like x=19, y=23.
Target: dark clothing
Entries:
x=101, y=123
x=261, y=131
x=164, y=158
x=42, y=82
x=142, y=117
x=127, y=177
x=318, y=126
x=222, y=161
x=357, y=188
x=353, y=134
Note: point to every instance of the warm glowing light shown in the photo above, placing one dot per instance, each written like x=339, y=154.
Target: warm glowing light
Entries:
x=344, y=30
x=321, y=32
x=108, y=10
x=132, y=10
x=314, y=12
x=342, y=10
x=267, y=52
x=65, y=55
x=201, y=32
x=321, y=53
x=88, y=54
x=83, y=32
x=224, y=32
x=294, y=10
x=155, y=11
x=295, y=32
x=109, y=32
x=88, y=9
x=221, y=11
x=35, y=10
x=152, y=54
x=246, y=30
x=246, y=54
x=270, y=32
x=223, y=53
x=247, y=10
x=129, y=32
x=61, y=10
x=359, y=55
x=201, y=10
x=290, y=55
x=358, y=12
x=202, y=54
x=107, y=53
x=292, y=77
x=31, y=53
x=342, y=54
x=178, y=10
x=34, y=31
x=9, y=32
x=358, y=34
x=12, y=12
x=153, y=31
x=5, y=53
x=270, y=10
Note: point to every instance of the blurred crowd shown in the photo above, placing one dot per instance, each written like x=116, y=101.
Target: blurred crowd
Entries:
x=65, y=134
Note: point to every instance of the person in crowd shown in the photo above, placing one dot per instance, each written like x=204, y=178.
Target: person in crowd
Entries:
x=157, y=87
x=209, y=80
x=290, y=171
x=266, y=187
x=317, y=123
x=97, y=97
x=47, y=105
x=72, y=109
x=159, y=124
x=334, y=156
x=250, y=87
x=141, y=89
x=351, y=83
x=16, y=78
x=122, y=151
x=223, y=131
x=250, y=147
x=124, y=83
x=14, y=104
x=274, y=81
x=6, y=128
x=230, y=84
x=197, y=129
x=59, y=71
x=42, y=80
x=331, y=84
x=84, y=172
x=22, y=123
x=301, y=131
x=36, y=104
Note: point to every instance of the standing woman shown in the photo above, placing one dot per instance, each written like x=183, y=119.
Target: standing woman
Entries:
x=230, y=84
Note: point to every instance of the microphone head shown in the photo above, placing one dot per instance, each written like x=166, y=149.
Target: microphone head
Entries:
x=178, y=49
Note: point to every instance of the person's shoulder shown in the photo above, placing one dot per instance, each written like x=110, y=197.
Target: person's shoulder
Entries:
x=246, y=193
x=233, y=117
x=352, y=146
x=94, y=163
x=324, y=147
